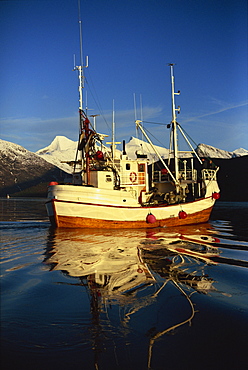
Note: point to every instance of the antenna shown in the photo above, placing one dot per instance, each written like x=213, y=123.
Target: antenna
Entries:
x=80, y=33
x=86, y=102
x=141, y=114
x=174, y=120
x=113, y=142
x=135, y=112
x=80, y=67
x=113, y=131
x=94, y=120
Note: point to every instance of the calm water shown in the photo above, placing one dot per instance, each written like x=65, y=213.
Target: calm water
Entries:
x=161, y=299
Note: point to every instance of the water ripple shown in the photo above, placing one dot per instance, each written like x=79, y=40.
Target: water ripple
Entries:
x=71, y=297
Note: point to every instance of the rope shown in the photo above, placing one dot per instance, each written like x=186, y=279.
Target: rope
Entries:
x=160, y=334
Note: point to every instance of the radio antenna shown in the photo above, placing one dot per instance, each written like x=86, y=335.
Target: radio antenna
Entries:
x=81, y=67
x=80, y=33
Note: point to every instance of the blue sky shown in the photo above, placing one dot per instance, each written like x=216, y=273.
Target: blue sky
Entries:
x=129, y=43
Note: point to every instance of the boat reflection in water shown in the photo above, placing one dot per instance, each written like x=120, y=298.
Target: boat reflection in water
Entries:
x=131, y=269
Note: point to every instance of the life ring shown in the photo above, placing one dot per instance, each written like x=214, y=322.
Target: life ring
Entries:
x=133, y=176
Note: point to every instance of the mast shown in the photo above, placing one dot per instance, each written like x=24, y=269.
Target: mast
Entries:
x=174, y=122
x=81, y=67
x=113, y=142
x=113, y=132
x=83, y=120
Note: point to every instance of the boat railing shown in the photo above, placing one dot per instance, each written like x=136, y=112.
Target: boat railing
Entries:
x=188, y=175
x=208, y=174
x=159, y=176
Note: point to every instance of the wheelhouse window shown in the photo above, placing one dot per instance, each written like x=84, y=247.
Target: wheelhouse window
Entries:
x=141, y=167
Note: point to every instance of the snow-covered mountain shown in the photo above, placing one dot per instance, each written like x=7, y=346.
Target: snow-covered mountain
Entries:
x=16, y=154
x=240, y=152
x=63, y=149
x=204, y=150
x=60, y=150
x=136, y=145
x=21, y=169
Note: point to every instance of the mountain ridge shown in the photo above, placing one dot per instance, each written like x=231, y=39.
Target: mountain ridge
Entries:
x=64, y=149
x=24, y=173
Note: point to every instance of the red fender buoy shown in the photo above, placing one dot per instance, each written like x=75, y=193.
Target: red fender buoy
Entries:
x=216, y=240
x=216, y=195
x=150, y=218
x=53, y=183
x=182, y=215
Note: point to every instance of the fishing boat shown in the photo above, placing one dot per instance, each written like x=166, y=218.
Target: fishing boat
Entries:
x=110, y=190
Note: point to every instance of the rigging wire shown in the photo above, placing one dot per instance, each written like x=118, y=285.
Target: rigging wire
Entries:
x=96, y=98
x=154, y=137
x=155, y=123
x=187, y=134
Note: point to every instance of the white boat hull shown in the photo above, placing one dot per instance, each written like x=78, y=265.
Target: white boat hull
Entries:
x=72, y=206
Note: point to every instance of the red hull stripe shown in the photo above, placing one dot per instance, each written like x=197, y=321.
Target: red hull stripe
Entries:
x=125, y=207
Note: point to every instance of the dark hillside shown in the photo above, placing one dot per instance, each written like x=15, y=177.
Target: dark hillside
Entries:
x=23, y=173
x=233, y=178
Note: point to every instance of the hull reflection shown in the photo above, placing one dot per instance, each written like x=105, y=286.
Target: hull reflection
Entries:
x=135, y=270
